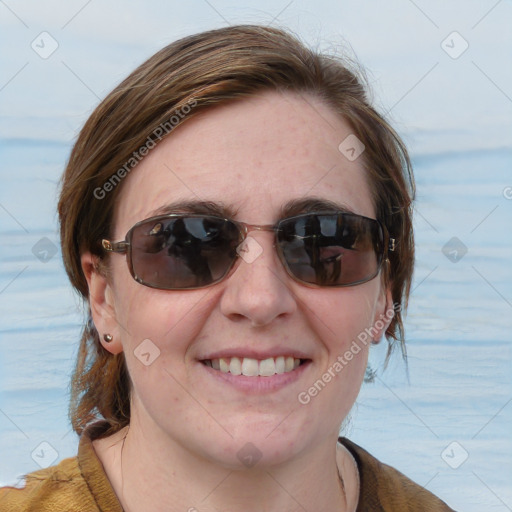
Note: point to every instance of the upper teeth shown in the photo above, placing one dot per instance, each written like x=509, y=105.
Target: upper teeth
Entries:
x=254, y=367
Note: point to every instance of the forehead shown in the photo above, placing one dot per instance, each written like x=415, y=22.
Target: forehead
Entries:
x=251, y=157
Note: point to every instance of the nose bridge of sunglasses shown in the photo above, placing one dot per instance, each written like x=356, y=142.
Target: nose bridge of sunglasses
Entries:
x=250, y=249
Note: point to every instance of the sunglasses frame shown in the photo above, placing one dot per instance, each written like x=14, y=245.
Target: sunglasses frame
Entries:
x=124, y=246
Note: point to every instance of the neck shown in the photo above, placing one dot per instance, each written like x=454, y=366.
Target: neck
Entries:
x=150, y=471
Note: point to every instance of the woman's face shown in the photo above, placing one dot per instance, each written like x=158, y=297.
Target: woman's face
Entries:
x=251, y=157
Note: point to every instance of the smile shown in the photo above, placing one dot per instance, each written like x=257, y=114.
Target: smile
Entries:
x=250, y=367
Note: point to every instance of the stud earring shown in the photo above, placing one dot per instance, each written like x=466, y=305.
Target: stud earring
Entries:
x=108, y=337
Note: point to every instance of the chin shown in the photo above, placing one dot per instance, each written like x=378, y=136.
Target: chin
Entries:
x=259, y=442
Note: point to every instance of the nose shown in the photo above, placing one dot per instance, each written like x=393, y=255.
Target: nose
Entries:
x=259, y=290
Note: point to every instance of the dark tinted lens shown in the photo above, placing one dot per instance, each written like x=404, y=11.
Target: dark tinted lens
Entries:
x=332, y=249
x=183, y=252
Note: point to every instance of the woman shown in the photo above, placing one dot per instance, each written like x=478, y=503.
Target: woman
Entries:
x=238, y=219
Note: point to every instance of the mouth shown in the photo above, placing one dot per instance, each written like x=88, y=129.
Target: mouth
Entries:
x=250, y=367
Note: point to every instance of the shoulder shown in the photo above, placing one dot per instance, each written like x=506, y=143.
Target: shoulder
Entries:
x=383, y=488
x=76, y=484
x=58, y=488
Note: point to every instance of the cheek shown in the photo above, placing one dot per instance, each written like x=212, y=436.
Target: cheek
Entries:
x=143, y=312
x=346, y=315
x=342, y=321
x=151, y=321
x=171, y=320
x=158, y=329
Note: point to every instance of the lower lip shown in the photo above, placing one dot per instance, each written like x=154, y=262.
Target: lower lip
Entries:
x=258, y=384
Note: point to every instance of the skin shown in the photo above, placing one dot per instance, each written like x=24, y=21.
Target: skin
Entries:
x=253, y=155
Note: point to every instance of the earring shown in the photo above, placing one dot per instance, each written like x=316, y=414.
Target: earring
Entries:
x=108, y=337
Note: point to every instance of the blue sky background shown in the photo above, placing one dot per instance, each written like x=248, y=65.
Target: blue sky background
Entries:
x=429, y=93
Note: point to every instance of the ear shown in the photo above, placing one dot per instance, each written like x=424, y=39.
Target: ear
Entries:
x=101, y=301
x=384, y=313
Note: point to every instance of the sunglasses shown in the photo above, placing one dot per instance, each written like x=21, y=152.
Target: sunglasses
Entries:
x=188, y=251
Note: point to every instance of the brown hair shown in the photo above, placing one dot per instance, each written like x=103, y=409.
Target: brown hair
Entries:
x=205, y=70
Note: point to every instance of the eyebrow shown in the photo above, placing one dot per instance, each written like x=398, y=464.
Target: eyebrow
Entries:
x=218, y=208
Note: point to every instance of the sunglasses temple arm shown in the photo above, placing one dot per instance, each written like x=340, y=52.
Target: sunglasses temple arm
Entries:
x=109, y=246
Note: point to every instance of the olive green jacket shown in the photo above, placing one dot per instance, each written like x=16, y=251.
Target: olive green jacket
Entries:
x=79, y=484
